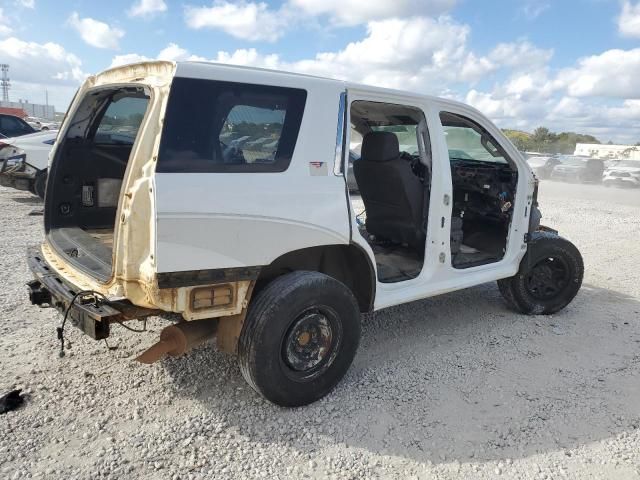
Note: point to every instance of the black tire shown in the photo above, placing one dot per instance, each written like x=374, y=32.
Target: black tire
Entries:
x=40, y=184
x=549, y=278
x=270, y=349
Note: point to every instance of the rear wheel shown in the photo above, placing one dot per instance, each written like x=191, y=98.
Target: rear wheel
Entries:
x=299, y=338
x=40, y=184
x=549, y=278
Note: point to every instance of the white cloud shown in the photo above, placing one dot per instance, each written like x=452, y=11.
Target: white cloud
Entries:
x=520, y=54
x=352, y=12
x=172, y=52
x=39, y=66
x=532, y=9
x=414, y=54
x=249, y=57
x=36, y=62
x=128, y=58
x=175, y=53
x=5, y=29
x=27, y=3
x=147, y=8
x=629, y=19
x=245, y=20
x=614, y=73
x=95, y=33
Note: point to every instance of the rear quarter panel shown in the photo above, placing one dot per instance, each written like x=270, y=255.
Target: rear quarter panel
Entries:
x=225, y=220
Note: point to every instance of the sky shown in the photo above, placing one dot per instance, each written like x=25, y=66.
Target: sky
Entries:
x=569, y=65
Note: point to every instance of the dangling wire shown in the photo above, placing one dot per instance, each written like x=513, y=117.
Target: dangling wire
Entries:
x=144, y=326
x=60, y=329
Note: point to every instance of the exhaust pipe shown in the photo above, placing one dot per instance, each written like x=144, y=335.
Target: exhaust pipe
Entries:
x=176, y=340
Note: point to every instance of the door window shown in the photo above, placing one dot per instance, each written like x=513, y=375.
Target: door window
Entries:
x=466, y=140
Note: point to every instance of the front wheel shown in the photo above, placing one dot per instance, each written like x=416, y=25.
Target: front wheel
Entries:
x=299, y=338
x=549, y=278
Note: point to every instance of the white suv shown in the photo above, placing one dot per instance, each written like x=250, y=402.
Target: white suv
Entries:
x=219, y=193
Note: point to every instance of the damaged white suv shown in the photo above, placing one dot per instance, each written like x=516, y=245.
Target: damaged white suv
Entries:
x=219, y=193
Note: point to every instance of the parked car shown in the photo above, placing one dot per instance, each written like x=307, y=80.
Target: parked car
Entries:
x=625, y=173
x=42, y=124
x=543, y=166
x=24, y=161
x=12, y=126
x=579, y=169
x=265, y=253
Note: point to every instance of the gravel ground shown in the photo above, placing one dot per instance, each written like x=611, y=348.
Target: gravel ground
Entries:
x=450, y=387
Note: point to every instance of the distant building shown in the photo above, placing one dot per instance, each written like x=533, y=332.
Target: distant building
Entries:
x=597, y=150
x=47, y=112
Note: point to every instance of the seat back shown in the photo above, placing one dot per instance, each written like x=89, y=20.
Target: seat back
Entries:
x=392, y=194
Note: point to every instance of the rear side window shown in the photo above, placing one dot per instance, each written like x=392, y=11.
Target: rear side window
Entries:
x=121, y=120
x=213, y=126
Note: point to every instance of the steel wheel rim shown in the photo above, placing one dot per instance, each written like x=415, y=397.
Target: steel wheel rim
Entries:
x=548, y=278
x=310, y=345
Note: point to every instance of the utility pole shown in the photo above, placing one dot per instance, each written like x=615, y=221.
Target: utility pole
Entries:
x=4, y=81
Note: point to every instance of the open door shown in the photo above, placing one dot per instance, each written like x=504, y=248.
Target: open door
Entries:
x=389, y=184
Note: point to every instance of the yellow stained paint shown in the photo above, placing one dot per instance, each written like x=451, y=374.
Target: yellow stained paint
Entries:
x=134, y=267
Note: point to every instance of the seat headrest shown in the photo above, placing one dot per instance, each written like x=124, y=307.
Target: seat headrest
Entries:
x=380, y=147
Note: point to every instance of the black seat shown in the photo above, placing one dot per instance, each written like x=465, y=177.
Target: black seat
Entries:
x=392, y=194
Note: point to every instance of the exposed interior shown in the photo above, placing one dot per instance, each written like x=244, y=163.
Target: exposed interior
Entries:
x=484, y=190
x=390, y=160
x=87, y=173
x=389, y=180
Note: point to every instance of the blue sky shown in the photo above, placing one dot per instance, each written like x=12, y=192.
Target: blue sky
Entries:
x=570, y=65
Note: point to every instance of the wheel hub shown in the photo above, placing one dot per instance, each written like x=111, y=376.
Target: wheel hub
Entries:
x=309, y=342
x=547, y=278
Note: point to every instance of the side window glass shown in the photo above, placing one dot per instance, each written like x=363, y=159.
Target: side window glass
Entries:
x=11, y=126
x=121, y=121
x=251, y=134
x=24, y=127
x=214, y=126
x=466, y=140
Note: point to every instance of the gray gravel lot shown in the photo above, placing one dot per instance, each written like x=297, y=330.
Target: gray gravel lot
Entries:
x=451, y=387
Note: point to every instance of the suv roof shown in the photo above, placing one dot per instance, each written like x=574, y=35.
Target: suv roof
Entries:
x=200, y=69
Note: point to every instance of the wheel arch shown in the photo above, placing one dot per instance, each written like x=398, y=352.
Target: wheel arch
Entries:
x=348, y=264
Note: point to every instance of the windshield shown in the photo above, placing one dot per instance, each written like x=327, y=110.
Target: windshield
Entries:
x=628, y=163
x=574, y=161
x=406, y=134
x=538, y=161
x=468, y=141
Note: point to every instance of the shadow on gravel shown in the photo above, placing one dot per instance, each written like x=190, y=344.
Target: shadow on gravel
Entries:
x=27, y=200
x=455, y=377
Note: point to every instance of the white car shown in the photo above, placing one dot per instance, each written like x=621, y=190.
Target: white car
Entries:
x=624, y=173
x=24, y=161
x=42, y=124
x=263, y=247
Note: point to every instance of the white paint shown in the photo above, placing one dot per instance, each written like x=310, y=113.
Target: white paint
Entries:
x=224, y=220
x=34, y=147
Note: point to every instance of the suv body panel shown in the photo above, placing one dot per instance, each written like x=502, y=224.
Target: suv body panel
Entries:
x=181, y=222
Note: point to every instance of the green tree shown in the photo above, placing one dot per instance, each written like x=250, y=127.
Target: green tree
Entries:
x=522, y=140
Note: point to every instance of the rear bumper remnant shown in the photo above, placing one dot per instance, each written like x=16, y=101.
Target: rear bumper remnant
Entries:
x=49, y=289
